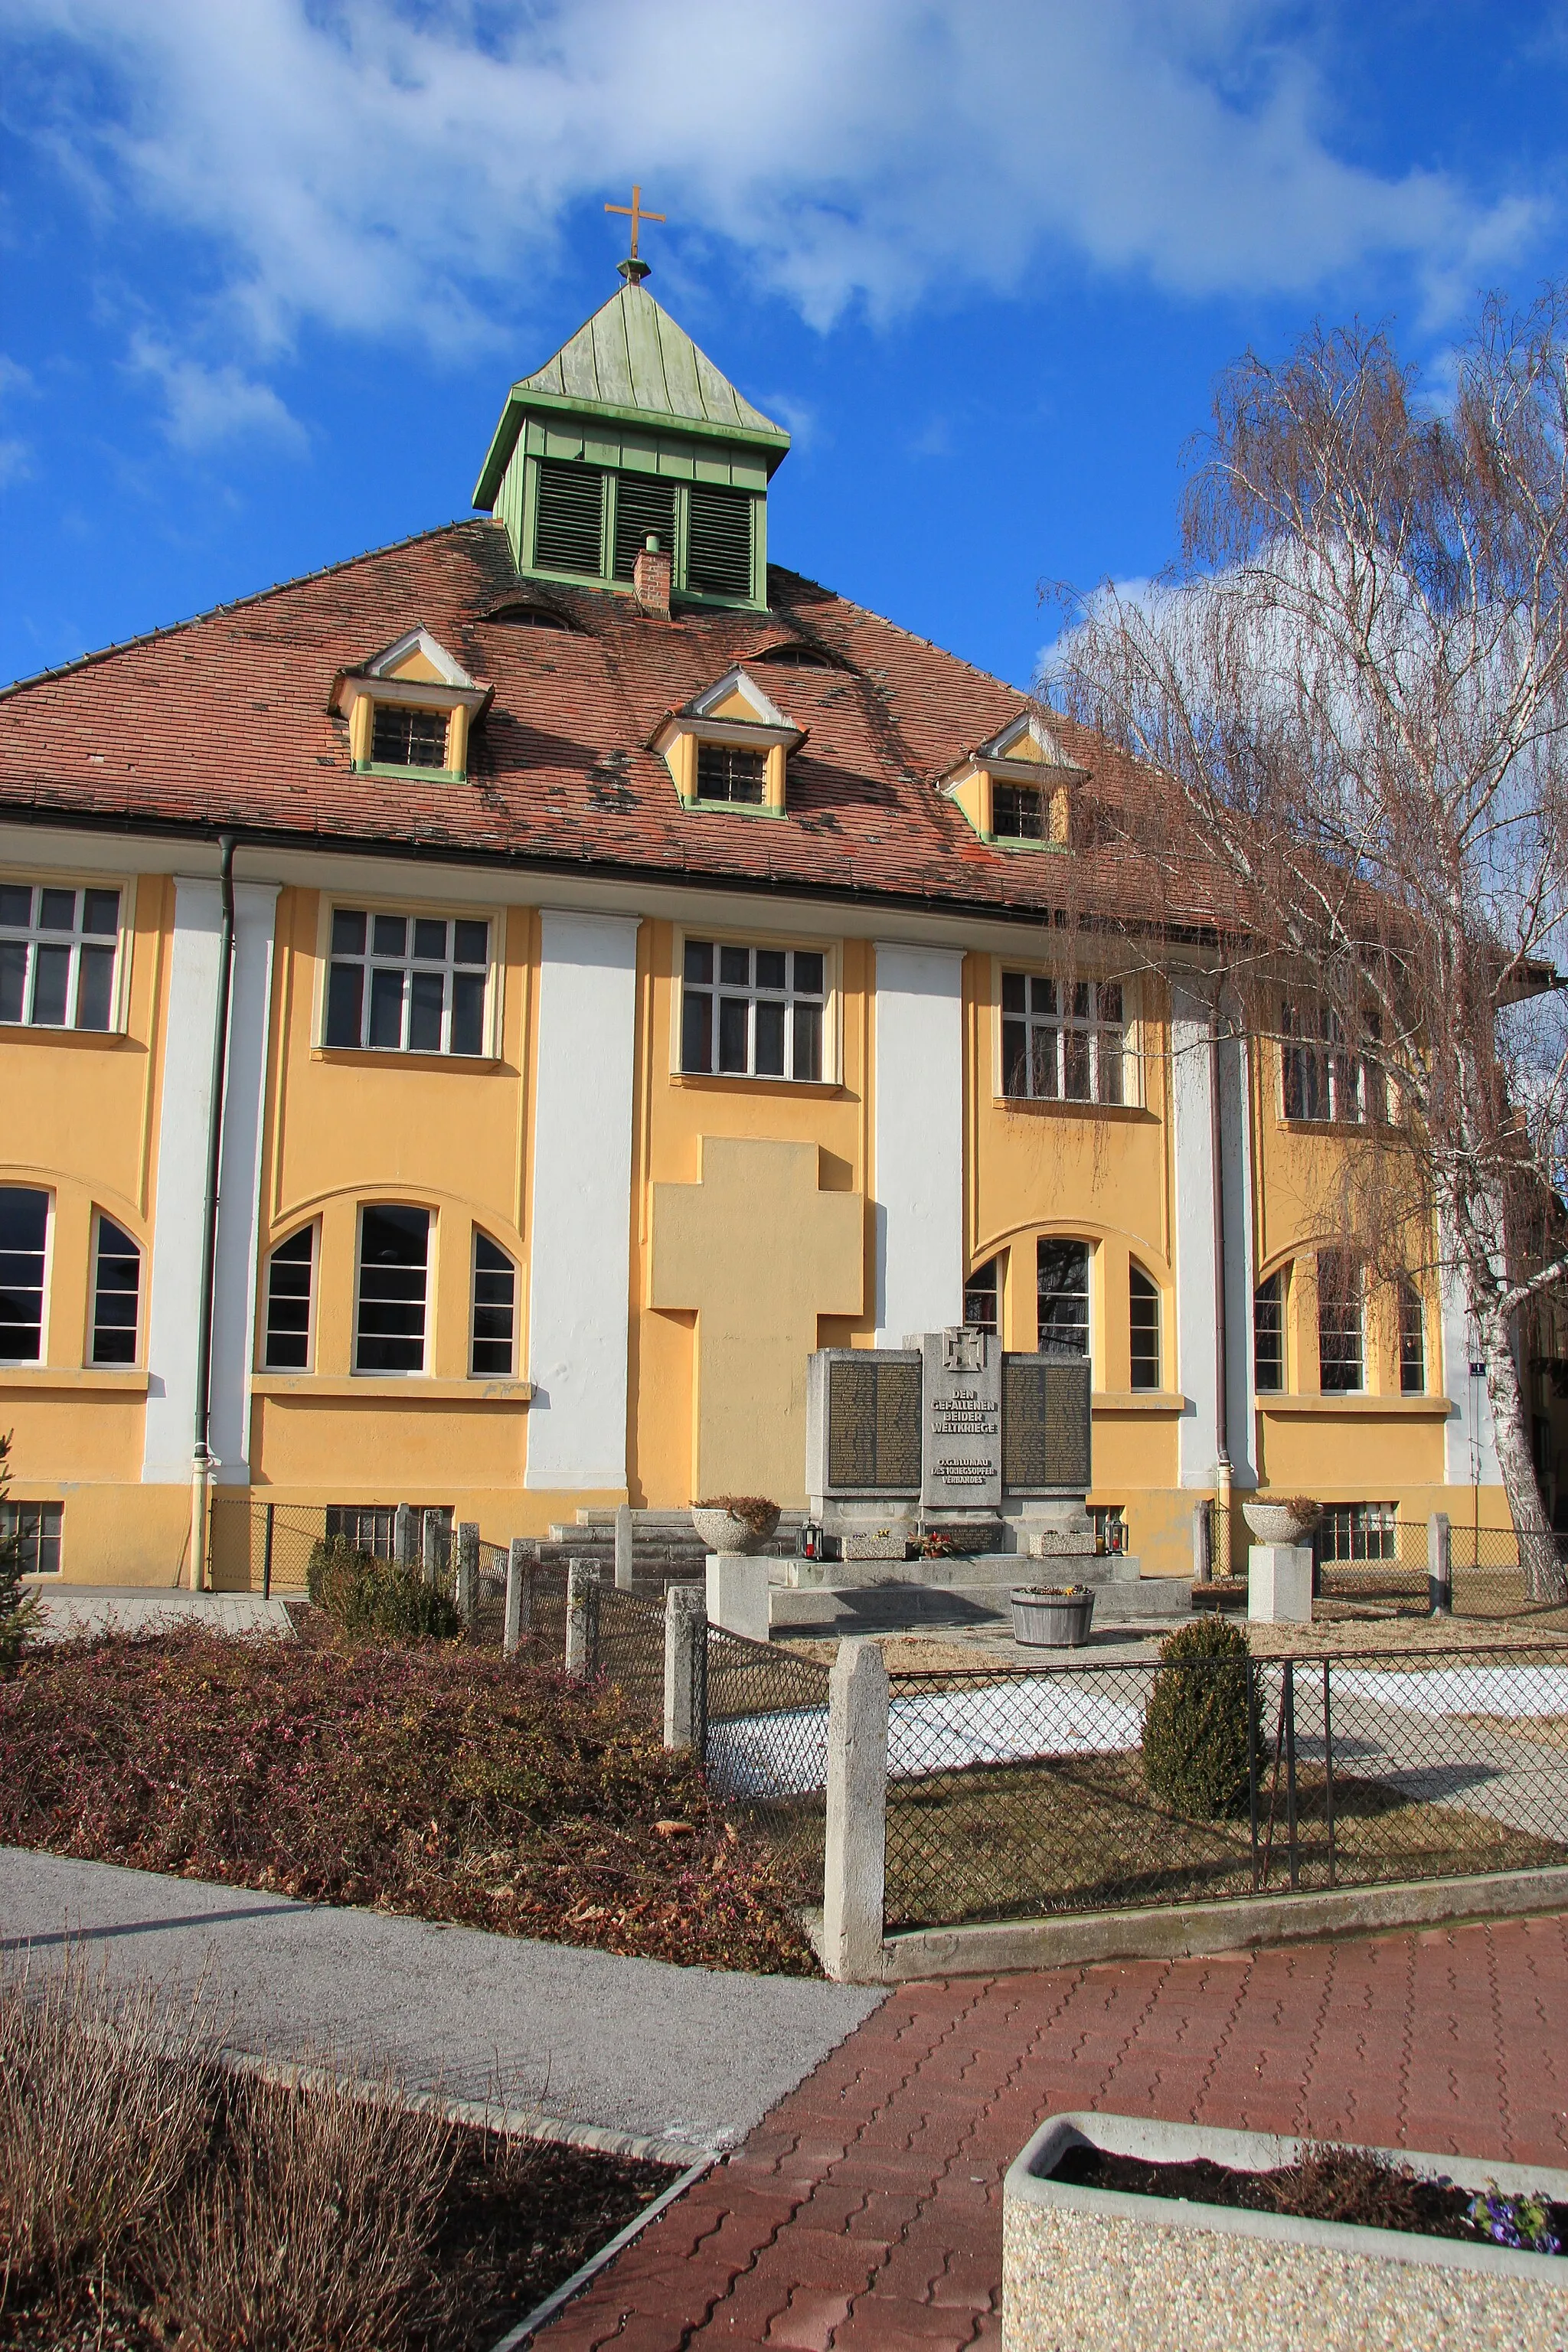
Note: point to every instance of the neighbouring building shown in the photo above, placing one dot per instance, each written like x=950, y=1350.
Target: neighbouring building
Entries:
x=644, y=971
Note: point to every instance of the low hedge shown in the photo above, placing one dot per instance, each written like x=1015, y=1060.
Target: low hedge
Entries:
x=367, y=1596
x=1195, y=1725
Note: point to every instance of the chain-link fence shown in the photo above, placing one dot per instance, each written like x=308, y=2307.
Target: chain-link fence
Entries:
x=1360, y=1553
x=767, y=1747
x=1089, y=1788
x=626, y=1647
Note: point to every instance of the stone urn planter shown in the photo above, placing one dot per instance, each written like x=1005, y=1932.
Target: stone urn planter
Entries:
x=1052, y=1617
x=723, y=1527
x=1102, y=2269
x=1287, y=1521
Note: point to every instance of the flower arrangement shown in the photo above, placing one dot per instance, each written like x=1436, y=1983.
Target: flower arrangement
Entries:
x=1519, y=2222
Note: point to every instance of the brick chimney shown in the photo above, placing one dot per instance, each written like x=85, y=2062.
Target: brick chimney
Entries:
x=650, y=579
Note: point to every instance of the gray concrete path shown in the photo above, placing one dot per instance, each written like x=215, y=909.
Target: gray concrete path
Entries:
x=695, y=2055
x=70, y=1610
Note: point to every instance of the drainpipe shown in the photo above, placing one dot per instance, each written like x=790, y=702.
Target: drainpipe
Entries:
x=202, y=1462
x=1222, y=1372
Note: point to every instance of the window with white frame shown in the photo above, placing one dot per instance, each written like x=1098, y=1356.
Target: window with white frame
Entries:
x=983, y=1297
x=1412, y=1341
x=57, y=950
x=408, y=983
x=24, y=1251
x=1269, y=1335
x=1143, y=1322
x=393, y=1275
x=1062, y=1270
x=492, y=1331
x=290, y=1290
x=116, y=1293
x=34, y=1529
x=752, y=1013
x=1341, y=1353
x=1062, y=1040
x=1324, y=1077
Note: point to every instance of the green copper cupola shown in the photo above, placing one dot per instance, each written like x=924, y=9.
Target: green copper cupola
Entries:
x=631, y=434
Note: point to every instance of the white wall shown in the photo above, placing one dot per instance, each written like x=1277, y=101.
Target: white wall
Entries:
x=1468, y=1451
x=1240, y=1265
x=919, y=1141
x=580, y=1257
x=1197, y=1352
x=174, y=1272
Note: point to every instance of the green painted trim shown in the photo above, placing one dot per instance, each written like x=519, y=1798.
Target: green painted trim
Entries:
x=1023, y=841
x=428, y=775
x=775, y=445
x=731, y=808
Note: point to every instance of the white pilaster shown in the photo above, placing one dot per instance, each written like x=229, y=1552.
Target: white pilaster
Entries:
x=1197, y=1350
x=1469, y=1454
x=175, y=1273
x=1240, y=1264
x=919, y=1143
x=580, y=1246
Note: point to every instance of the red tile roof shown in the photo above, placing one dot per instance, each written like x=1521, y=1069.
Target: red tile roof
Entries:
x=223, y=722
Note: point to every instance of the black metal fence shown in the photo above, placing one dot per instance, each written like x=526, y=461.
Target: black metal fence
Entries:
x=1089, y=1788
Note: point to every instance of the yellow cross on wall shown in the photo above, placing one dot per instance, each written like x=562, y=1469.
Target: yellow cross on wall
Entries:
x=637, y=215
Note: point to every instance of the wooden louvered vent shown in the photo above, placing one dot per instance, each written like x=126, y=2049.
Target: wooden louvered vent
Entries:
x=568, y=535
x=718, y=543
x=642, y=506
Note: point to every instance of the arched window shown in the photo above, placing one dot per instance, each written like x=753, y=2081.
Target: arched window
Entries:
x=116, y=1295
x=23, y=1240
x=1412, y=1341
x=1063, y=1283
x=1143, y=1320
x=983, y=1297
x=290, y=1289
x=1269, y=1335
x=493, y=1326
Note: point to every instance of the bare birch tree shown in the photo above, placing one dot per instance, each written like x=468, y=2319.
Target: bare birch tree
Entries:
x=1355, y=676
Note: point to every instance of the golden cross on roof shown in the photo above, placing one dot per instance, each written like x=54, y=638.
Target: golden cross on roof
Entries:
x=637, y=215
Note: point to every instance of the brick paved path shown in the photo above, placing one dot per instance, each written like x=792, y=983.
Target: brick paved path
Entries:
x=866, y=2210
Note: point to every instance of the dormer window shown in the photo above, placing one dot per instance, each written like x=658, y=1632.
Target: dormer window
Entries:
x=729, y=748
x=1016, y=789
x=410, y=709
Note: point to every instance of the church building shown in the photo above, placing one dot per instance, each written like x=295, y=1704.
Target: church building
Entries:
x=474, y=1020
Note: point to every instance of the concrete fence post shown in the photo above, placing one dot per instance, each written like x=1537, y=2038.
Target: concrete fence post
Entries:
x=467, y=1569
x=431, y=1535
x=405, y=1537
x=855, y=1859
x=1439, y=1566
x=623, y=1548
x=685, y=1630
x=519, y=1595
x=582, y=1617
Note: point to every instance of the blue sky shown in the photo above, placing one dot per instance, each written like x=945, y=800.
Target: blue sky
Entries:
x=269, y=264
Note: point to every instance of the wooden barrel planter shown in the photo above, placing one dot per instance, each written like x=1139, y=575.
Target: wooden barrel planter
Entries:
x=1052, y=1617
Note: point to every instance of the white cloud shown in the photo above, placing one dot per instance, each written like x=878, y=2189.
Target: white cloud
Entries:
x=207, y=405
x=390, y=165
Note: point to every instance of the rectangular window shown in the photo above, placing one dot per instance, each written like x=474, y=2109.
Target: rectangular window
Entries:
x=1411, y=1341
x=58, y=949
x=1018, y=813
x=1338, y=1323
x=408, y=983
x=1323, y=1079
x=1269, y=1335
x=569, y=523
x=719, y=541
x=724, y=773
x=116, y=1295
x=752, y=1013
x=290, y=1275
x=372, y=1529
x=1350, y=1531
x=402, y=737
x=1062, y=1270
x=394, y=1270
x=1062, y=1041
x=34, y=1529
x=1145, y=1321
x=24, y=1241
x=493, y=1310
x=983, y=1297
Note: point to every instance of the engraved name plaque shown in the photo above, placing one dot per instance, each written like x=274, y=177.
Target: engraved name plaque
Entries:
x=866, y=1429
x=1046, y=1425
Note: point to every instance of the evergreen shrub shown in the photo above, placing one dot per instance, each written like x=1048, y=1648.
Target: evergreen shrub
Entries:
x=377, y=1598
x=1195, y=1725
x=18, y=1607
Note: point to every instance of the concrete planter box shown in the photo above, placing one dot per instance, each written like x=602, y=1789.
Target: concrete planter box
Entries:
x=1100, y=2271
x=1050, y=1621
